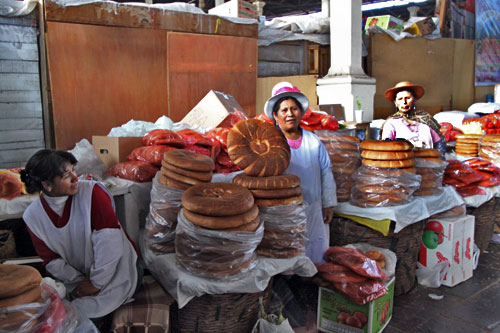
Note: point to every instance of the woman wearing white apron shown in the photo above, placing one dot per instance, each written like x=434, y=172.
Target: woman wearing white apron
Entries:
x=76, y=233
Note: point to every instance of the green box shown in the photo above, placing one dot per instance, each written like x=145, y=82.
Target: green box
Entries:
x=331, y=303
x=385, y=22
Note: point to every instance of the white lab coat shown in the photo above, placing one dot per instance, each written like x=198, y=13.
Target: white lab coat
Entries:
x=311, y=163
x=112, y=268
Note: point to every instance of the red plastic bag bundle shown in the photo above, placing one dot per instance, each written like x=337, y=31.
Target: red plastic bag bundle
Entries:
x=150, y=154
x=355, y=260
x=199, y=149
x=363, y=292
x=10, y=185
x=313, y=121
x=163, y=137
x=136, y=171
x=194, y=138
x=466, y=179
x=233, y=118
x=263, y=117
x=219, y=135
x=489, y=171
x=223, y=164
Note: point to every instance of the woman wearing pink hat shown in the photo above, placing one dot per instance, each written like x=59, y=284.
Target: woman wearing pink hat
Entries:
x=416, y=126
x=309, y=161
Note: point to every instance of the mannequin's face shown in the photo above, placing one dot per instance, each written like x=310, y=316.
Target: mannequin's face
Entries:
x=404, y=101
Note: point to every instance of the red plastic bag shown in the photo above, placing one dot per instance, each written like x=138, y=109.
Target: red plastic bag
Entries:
x=10, y=185
x=470, y=190
x=363, y=292
x=264, y=118
x=233, y=118
x=219, y=135
x=329, y=123
x=199, y=149
x=194, y=138
x=355, y=260
x=150, y=154
x=136, y=171
x=336, y=273
x=163, y=137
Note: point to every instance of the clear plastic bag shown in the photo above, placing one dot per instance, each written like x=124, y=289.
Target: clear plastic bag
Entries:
x=161, y=222
x=380, y=187
x=432, y=277
x=356, y=261
x=432, y=176
x=52, y=315
x=213, y=253
x=284, y=231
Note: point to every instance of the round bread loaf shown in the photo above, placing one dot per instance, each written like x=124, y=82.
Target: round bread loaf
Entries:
x=17, y=279
x=386, y=172
x=340, y=138
x=204, y=176
x=172, y=182
x=468, y=136
x=217, y=199
x=342, y=146
x=249, y=227
x=189, y=160
x=221, y=222
x=428, y=191
x=181, y=178
x=336, y=154
x=491, y=138
x=391, y=197
x=408, y=163
x=258, y=148
x=278, y=193
x=467, y=146
x=433, y=159
x=493, y=144
x=427, y=153
x=467, y=141
x=266, y=183
x=278, y=253
x=381, y=189
x=386, y=155
x=29, y=296
x=296, y=200
x=396, y=145
x=430, y=184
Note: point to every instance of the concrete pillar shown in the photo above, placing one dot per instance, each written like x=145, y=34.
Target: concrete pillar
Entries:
x=325, y=7
x=218, y=2
x=260, y=7
x=346, y=79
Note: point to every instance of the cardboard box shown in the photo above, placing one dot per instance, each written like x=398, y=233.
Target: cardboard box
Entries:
x=331, y=303
x=422, y=28
x=236, y=8
x=450, y=239
x=212, y=110
x=385, y=22
x=113, y=150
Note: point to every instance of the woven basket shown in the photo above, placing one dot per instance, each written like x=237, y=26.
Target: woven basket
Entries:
x=219, y=313
x=485, y=217
x=405, y=243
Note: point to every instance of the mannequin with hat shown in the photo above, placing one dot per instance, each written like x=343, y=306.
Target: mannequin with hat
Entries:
x=416, y=126
x=309, y=161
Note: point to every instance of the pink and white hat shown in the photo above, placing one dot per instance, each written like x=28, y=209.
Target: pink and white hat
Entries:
x=283, y=89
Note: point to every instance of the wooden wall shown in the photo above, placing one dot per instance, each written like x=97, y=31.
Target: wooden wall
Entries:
x=21, y=120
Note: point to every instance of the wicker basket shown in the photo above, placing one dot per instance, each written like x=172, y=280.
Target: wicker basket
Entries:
x=485, y=217
x=219, y=313
x=405, y=244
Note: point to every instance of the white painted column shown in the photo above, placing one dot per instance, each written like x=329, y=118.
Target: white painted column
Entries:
x=260, y=7
x=325, y=7
x=346, y=79
x=218, y=2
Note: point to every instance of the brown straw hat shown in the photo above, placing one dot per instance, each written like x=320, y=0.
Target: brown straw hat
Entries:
x=403, y=85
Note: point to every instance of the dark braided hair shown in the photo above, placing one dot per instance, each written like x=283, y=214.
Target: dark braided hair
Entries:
x=45, y=165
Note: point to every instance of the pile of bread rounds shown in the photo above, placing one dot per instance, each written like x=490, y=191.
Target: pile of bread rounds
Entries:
x=430, y=166
x=490, y=148
x=387, y=175
x=345, y=158
x=181, y=169
x=209, y=244
x=467, y=144
x=19, y=285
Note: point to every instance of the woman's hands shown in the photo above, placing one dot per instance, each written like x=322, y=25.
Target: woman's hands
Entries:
x=327, y=215
x=85, y=288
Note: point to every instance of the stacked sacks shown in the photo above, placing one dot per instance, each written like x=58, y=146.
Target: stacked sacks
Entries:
x=490, y=148
x=467, y=144
x=219, y=229
x=180, y=170
x=19, y=285
x=387, y=176
x=431, y=168
x=345, y=159
x=262, y=152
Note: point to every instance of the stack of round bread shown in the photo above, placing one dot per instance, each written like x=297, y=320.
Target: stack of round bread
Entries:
x=490, y=148
x=182, y=169
x=19, y=285
x=387, y=176
x=345, y=159
x=431, y=168
x=221, y=224
x=467, y=144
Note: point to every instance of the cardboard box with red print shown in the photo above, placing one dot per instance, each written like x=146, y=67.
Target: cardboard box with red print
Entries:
x=450, y=239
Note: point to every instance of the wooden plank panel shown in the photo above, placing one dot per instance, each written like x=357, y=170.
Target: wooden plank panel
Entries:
x=200, y=63
x=116, y=74
x=133, y=16
x=18, y=66
x=18, y=158
x=421, y=61
x=10, y=81
x=20, y=136
x=11, y=96
x=22, y=145
x=20, y=110
x=21, y=123
x=17, y=34
x=18, y=51
x=463, y=74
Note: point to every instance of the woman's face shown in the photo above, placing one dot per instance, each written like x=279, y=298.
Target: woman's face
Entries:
x=404, y=101
x=67, y=184
x=288, y=116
